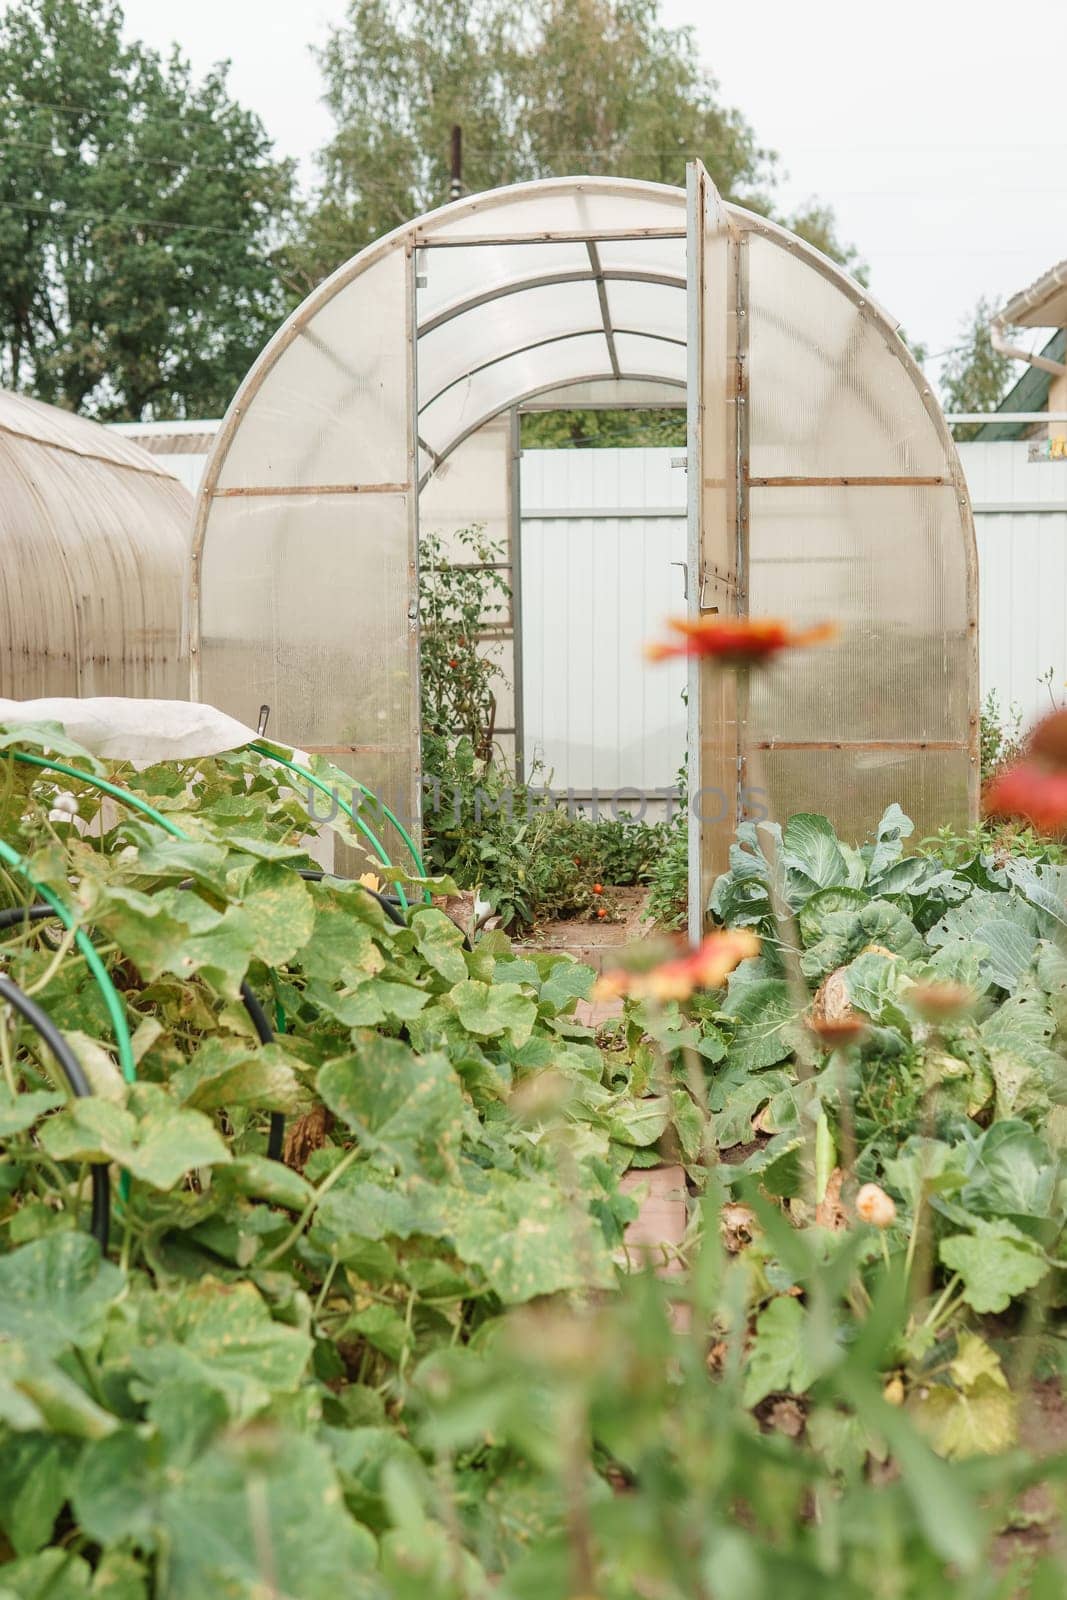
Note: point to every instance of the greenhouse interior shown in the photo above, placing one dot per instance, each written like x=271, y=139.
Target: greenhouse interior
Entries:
x=822, y=483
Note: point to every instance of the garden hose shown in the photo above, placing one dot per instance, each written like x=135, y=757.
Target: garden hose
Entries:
x=103, y=784
x=324, y=788
x=41, y=1022
x=389, y=903
x=265, y=1034
x=135, y=801
x=256, y=1014
x=15, y=863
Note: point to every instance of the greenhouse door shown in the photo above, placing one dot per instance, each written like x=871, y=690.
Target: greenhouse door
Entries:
x=715, y=543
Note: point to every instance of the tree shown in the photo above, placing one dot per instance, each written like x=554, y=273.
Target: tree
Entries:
x=540, y=88
x=137, y=213
x=975, y=377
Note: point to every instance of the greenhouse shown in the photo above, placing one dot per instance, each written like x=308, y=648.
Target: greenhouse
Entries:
x=94, y=536
x=822, y=485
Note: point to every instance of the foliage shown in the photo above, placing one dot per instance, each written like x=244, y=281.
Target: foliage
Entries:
x=540, y=90
x=1001, y=739
x=460, y=592
x=414, y=1354
x=975, y=377
x=138, y=209
x=668, y=900
x=877, y=923
x=530, y=857
x=600, y=430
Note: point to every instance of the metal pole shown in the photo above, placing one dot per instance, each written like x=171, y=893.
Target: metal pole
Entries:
x=456, y=186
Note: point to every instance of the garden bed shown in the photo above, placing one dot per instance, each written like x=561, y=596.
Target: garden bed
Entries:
x=423, y=1354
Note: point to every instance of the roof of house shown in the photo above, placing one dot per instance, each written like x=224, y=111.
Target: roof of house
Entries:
x=1029, y=393
x=1043, y=305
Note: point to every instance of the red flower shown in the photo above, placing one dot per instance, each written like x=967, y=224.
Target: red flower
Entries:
x=736, y=641
x=1030, y=790
x=453, y=662
x=704, y=968
x=1049, y=739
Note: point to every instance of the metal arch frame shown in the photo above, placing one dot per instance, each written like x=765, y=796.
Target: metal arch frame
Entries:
x=408, y=236
x=431, y=231
x=545, y=280
x=523, y=400
x=606, y=331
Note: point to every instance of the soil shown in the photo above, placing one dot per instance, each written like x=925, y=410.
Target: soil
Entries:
x=590, y=941
x=1037, y=1526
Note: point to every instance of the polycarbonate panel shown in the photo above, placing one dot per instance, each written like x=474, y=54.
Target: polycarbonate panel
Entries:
x=94, y=537
x=664, y=257
x=829, y=393
x=650, y=358
x=501, y=327
x=647, y=307
x=450, y=277
x=853, y=788
x=305, y=609
x=332, y=409
x=888, y=566
x=588, y=206
x=484, y=393
x=626, y=393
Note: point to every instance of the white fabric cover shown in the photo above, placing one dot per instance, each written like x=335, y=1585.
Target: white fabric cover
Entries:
x=135, y=730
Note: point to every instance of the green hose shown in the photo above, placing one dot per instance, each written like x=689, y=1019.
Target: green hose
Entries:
x=125, y=795
x=111, y=998
x=324, y=788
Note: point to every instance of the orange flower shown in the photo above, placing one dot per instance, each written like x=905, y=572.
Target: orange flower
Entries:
x=736, y=641
x=1049, y=739
x=704, y=968
x=835, y=1032
x=941, y=999
x=1034, y=792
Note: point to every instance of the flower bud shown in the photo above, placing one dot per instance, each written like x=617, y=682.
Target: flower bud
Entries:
x=873, y=1205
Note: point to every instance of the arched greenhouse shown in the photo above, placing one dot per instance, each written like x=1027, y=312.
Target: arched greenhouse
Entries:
x=94, y=539
x=822, y=483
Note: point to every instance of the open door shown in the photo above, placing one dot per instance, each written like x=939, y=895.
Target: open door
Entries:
x=715, y=557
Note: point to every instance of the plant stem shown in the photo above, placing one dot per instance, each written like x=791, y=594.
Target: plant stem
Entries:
x=312, y=1206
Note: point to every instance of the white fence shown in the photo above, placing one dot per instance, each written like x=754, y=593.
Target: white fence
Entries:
x=1020, y=518
x=603, y=539
x=601, y=531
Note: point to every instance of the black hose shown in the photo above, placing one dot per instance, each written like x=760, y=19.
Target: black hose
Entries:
x=31, y=1012
x=15, y=914
x=9, y=917
x=389, y=903
x=265, y=1034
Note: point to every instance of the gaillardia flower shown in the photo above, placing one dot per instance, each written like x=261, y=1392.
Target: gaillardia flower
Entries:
x=736, y=641
x=1035, y=788
x=1033, y=791
x=704, y=968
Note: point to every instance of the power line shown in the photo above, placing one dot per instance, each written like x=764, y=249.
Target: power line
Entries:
x=131, y=157
x=123, y=217
x=67, y=108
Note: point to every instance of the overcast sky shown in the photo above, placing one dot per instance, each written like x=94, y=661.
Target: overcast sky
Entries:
x=927, y=125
